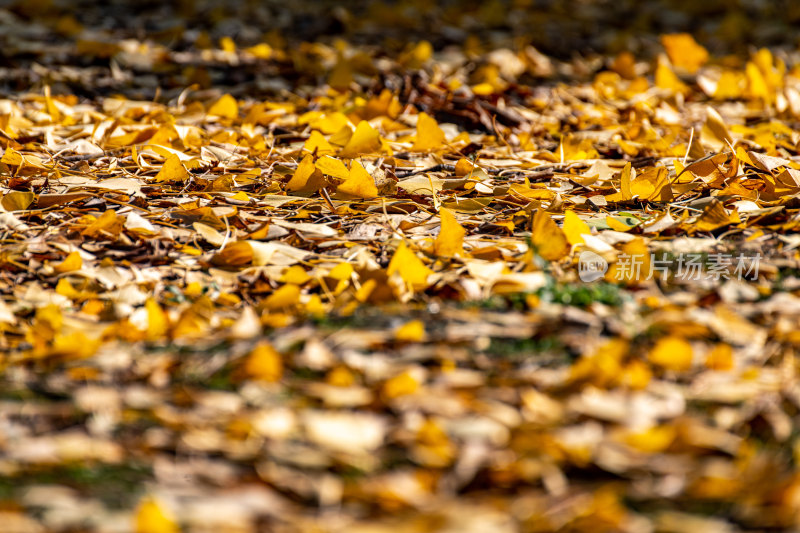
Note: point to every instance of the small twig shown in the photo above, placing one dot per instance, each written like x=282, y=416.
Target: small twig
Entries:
x=435, y=168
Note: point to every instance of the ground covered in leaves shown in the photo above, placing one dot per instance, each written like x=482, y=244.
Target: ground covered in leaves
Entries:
x=336, y=286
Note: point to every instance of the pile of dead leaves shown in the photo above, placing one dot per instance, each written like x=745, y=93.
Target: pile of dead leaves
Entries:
x=358, y=306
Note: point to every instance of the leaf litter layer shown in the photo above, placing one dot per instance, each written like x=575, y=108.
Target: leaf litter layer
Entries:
x=346, y=296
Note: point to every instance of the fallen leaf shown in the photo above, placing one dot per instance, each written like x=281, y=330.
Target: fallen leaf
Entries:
x=359, y=183
x=172, y=171
x=450, y=241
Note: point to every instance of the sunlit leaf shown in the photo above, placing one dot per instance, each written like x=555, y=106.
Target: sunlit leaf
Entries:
x=547, y=238
x=152, y=517
x=225, y=107
x=450, y=241
x=358, y=183
x=672, y=353
x=411, y=269
x=365, y=140
x=264, y=364
x=429, y=135
x=684, y=52
x=575, y=228
x=172, y=170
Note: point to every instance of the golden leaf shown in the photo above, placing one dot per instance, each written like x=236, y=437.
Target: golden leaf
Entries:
x=450, y=241
x=172, y=171
x=157, y=320
x=225, y=107
x=17, y=200
x=317, y=144
x=575, y=228
x=332, y=167
x=152, y=517
x=714, y=216
x=286, y=296
x=411, y=269
x=400, y=385
x=411, y=331
x=71, y=263
x=365, y=140
x=547, y=238
x=307, y=178
x=429, y=135
x=684, y=52
x=672, y=353
x=264, y=363
x=359, y=183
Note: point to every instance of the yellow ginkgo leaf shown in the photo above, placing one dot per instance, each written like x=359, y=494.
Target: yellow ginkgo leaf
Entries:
x=359, y=183
x=225, y=107
x=307, y=178
x=684, y=52
x=714, y=132
x=342, y=136
x=286, y=296
x=731, y=84
x=450, y=241
x=330, y=122
x=575, y=228
x=714, y=216
x=652, y=440
x=410, y=267
x=365, y=140
x=157, y=320
x=529, y=193
x=400, y=385
x=172, y=170
x=667, y=79
x=547, y=238
x=341, y=272
x=626, y=177
x=464, y=167
x=50, y=105
x=16, y=159
x=17, y=200
x=757, y=87
x=71, y=263
x=417, y=54
x=227, y=45
x=720, y=357
x=340, y=376
x=152, y=517
x=295, y=274
x=412, y=331
x=429, y=135
x=332, y=167
x=264, y=363
x=618, y=225
x=317, y=144
x=653, y=185
x=672, y=353
x=261, y=51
